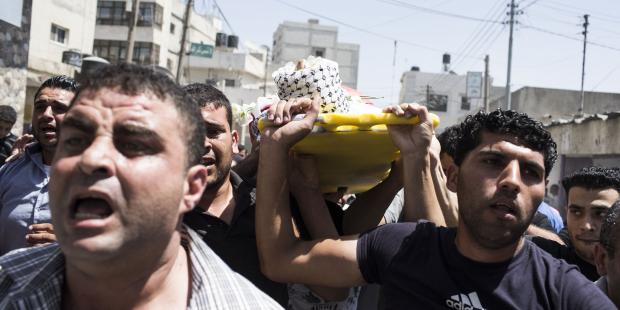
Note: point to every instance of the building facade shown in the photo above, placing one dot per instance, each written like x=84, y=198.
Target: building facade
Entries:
x=34, y=50
x=293, y=41
x=14, y=43
x=444, y=94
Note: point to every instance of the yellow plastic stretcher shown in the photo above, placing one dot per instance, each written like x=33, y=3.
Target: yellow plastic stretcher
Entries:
x=352, y=150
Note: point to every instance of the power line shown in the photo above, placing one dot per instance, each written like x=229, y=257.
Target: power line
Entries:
x=529, y=5
x=576, y=13
x=223, y=16
x=606, y=77
x=386, y=37
x=569, y=37
x=475, y=40
x=578, y=9
x=437, y=12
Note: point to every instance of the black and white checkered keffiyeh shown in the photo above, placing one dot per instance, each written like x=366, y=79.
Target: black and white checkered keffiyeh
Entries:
x=320, y=76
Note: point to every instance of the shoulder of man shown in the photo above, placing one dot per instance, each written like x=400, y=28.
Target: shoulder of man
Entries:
x=551, y=247
x=571, y=289
x=32, y=275
x=377, y=247
x=215, y=285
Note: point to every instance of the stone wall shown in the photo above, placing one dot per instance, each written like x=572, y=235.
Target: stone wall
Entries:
x=13, y=63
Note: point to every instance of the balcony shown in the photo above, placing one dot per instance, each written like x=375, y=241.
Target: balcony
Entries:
x=230, y=61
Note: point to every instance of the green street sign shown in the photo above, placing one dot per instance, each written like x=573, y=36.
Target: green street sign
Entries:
x=201, y=50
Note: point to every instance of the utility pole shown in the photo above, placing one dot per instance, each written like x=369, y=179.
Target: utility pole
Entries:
x=393, y=72
x=512, y=19
x=583, y=64
x=428, y=94
x=266, y=68
x=486, y=83
x=188, y=10
x=135, y=8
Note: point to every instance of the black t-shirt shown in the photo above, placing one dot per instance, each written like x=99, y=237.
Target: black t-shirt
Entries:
x=419, y=267
x=568, y=254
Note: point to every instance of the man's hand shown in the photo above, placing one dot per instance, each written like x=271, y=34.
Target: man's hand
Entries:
x=287, y=132
x=40, y=234
x=411, y=139
x=19, y=147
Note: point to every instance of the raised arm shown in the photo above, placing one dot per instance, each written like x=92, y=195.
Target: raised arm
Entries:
x=303, y=180
x=284, y=258
x=447, y=199
x=414, y=144
x=369, y=207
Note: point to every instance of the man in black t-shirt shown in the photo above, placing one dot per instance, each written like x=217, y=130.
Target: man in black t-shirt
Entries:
x=591, y=192
x=606, y=254
x=502, y=159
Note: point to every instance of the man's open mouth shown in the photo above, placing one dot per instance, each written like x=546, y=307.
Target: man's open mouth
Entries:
x=208, y=161
x=90, y=208
x=47, y=129
x=506, y=208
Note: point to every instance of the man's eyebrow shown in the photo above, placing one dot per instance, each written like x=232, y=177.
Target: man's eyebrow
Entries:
x=214, y=124
x=134, y=130
x=78, y=123
x=574, y=206
x=528, y=163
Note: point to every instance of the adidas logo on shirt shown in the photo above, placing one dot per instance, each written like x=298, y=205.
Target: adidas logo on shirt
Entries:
x=464, y=302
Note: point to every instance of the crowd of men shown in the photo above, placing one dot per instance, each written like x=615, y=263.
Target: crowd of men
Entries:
x=132, y=192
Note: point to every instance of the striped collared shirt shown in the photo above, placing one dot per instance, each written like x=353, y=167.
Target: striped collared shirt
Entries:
x=33, y=278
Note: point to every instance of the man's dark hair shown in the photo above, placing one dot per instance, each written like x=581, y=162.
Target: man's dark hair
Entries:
x=593, y=178
x=8, y=114
x=609, y=229
x=448, y=139
x=529, y=132
x=60, y=81
x=207, y=95
x=132, y=80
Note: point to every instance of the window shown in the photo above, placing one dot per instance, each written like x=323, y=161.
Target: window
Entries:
x=150, y=14
x=437, y=102
x=465, y=103
x=144, y=53
x=111, y=13
x=229, y=83
x=172, y=27
x=318, y=51
x=59, y=34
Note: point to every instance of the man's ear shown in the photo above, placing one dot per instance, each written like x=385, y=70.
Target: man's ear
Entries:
x=453, y=177
x=600, y=259
x=195, y=183
x=235, y=141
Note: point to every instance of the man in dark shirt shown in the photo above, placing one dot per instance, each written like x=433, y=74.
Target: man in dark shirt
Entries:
x=224, y=217
x=503, y=159
x=8, y=117
x=606, y=254
x=591, y=191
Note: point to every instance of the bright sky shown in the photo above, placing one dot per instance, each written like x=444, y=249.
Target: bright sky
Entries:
x=426, y=29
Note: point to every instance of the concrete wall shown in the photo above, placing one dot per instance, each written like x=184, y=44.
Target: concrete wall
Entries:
x=547, y=103
x=13, y=63
x=591, y=137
